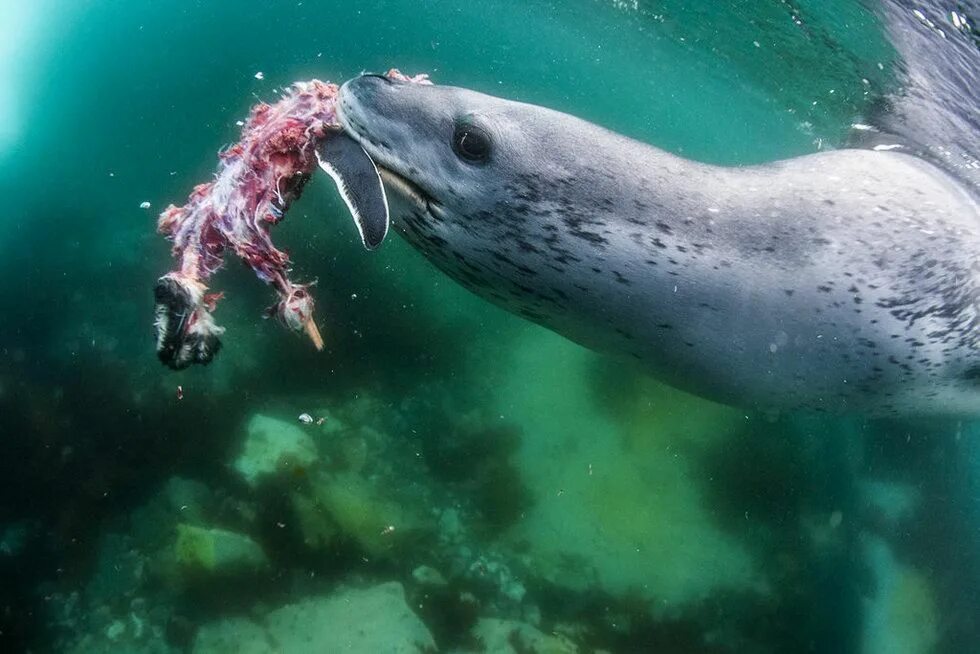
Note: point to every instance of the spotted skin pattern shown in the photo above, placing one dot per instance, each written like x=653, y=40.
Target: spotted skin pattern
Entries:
x=839, y=281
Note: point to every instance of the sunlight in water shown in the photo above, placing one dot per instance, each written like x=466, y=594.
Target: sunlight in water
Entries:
x=21, y=24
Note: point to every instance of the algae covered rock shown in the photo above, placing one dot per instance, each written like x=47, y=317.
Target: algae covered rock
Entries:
x=362, y=512
x=273, y=447
x=316, y=527
x=188, y=498
x=356, y=621
x=216, y=551
x=512, y=637
x=426, y=575
x=232, y=636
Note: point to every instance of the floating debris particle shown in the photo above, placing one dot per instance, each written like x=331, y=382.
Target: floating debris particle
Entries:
x=145, y=205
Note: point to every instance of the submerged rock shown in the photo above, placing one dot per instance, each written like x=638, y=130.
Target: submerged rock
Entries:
x=188, y=498
x=273, y=447
x=354, y=453
x=216, y=551
x=233, y=636
x=115, y=630
x=362, y=512
x=892, y=503
x=316, y=527
x=512, y=637
x=426, y=575
x=355, y=621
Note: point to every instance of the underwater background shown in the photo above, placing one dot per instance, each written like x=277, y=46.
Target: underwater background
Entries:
x=477, y=483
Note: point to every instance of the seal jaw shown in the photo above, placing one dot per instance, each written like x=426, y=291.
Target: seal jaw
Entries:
x=359, y=183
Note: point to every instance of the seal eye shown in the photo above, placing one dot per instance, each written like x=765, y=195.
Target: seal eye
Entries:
x=471, y=143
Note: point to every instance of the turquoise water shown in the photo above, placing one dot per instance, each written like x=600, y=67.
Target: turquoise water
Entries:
x=526, y=494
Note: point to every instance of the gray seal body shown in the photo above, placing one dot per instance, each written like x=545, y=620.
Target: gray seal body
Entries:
x=838, y=281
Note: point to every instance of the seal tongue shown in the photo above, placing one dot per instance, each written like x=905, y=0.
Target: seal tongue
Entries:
x=359, y=184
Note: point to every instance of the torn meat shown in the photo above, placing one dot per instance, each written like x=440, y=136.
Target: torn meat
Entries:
x=257, y=180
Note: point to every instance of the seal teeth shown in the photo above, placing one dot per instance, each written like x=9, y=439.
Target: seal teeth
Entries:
x=404, y=187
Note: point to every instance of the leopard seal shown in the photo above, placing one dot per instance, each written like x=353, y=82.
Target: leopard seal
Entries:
x=834, y=281
x=838, y=281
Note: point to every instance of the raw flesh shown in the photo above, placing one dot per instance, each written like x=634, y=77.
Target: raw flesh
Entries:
x=258, y=179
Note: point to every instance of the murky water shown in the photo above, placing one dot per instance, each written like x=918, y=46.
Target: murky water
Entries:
x=524, y=493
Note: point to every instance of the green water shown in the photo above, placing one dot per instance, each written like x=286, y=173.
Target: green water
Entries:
x=640, y=518
x=116, y=105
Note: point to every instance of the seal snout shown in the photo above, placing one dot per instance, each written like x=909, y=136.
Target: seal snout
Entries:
x=362, y=109
x=365, y=93
x=379, y=112
x=362, y=89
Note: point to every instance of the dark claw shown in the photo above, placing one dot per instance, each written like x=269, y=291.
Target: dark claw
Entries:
x=177, y=348
x=172, y=309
